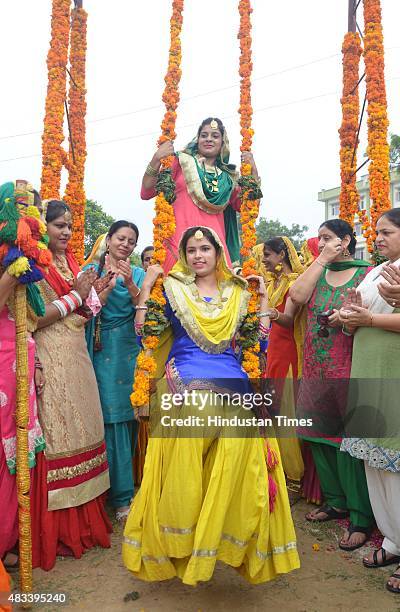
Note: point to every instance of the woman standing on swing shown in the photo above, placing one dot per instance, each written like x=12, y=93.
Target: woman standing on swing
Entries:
x=206, y=188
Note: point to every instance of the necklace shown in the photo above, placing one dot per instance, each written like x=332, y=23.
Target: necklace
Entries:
x=212, y=185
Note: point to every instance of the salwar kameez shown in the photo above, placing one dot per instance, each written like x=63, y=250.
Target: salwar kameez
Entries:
x=323, y=396
x=114, y=365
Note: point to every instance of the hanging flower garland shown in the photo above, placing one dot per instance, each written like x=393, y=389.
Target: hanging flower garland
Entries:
x=164, y=221
x=349, y=197
x=378, y=147
x=248, y=338
x=53, y=155
x=75, y=192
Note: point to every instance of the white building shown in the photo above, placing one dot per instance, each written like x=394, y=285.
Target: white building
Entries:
x=330, y=198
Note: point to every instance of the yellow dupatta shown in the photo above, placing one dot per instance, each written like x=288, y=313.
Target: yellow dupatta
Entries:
x=276, y=294
x=211, y=325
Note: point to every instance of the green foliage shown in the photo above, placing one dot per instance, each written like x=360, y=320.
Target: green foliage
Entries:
x=250, y=186
x=394, y=152
x=269, y=228
x=166, y=185
x=377, y=258
x=97, y=222
x=135, y=259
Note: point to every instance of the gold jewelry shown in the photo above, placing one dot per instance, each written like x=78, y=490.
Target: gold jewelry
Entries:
x=213, y=184
x=214, y=124
x=278, y=267
x=150, y=171
x=198, y=235
x=346, y=252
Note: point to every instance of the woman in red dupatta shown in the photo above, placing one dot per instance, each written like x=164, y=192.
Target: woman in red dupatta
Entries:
x=73, y=477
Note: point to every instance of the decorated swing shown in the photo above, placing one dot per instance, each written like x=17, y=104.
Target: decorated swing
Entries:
x=67, y=57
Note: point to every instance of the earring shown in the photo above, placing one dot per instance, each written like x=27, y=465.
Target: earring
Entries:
x=346, y=252
x=278, y=268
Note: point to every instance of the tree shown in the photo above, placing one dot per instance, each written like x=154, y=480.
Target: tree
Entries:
x=268, y=228
x=394, y=152
x=97, y=222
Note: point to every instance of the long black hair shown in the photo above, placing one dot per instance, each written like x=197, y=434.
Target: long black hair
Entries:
x=277, y=245
x=55, y=209
x=113, y=229
x=342, y=229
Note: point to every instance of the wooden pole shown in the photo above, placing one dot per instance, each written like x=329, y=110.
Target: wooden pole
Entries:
x=352, y=16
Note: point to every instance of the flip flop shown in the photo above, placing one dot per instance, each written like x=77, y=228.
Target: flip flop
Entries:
x=356, y=529
x=385, y=561
x=393, y=589
x=331, y=513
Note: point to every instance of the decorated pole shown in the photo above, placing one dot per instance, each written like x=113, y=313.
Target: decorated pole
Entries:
x=22, y=421
x=349, y=130
x=378, y=147
x=164, y=220
x=75, y=191
x=250, y=194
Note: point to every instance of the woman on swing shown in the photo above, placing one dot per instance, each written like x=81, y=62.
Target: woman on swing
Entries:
x=205, y=186
x=206, y=495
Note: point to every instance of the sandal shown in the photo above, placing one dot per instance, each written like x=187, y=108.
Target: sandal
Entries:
x=385, y=561
x=390, y=587
x=331, y=513
x=356, y=529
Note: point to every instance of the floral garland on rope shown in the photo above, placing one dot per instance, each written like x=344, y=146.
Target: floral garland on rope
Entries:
x=53, y=155
x=75, y=191
x=164, y=220
x=349, y=197
x=378, y=147
x=248, y=338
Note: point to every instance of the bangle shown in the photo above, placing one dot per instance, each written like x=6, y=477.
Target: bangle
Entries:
x=266, y=313
x=320, y=263
x=346, y=331
x=139, y=328
x=137, y=295
x=150, y=171
x=371, y=319
x=67, y=303
x=140, y=307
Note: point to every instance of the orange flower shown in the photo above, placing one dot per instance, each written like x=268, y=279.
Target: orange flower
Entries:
x=75, y=192
x=249, y=208
x=378, y=148
x=164, y=221
x=349, y=198
x=53, y=134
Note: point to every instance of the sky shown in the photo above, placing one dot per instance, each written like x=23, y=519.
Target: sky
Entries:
x=297, y=79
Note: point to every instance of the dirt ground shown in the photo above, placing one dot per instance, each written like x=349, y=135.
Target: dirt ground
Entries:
x=328, y=579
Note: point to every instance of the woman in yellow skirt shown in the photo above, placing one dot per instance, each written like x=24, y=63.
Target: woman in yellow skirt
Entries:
x=207, y=493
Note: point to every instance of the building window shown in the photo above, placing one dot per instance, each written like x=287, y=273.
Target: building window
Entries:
x=361, y=203
x=357, y=229
x=335, y=209
x=396, y=197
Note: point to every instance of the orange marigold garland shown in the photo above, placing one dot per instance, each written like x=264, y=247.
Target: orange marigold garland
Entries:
x=378, y=147
x=250, y=195
x=53, y=134
x=349, y=197
x=164, y=221
x=75, y=191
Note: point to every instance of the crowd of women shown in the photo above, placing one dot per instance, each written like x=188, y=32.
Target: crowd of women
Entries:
x=328, y=326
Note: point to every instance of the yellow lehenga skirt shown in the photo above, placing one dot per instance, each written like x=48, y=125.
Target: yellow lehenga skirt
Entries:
x=206, y=499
